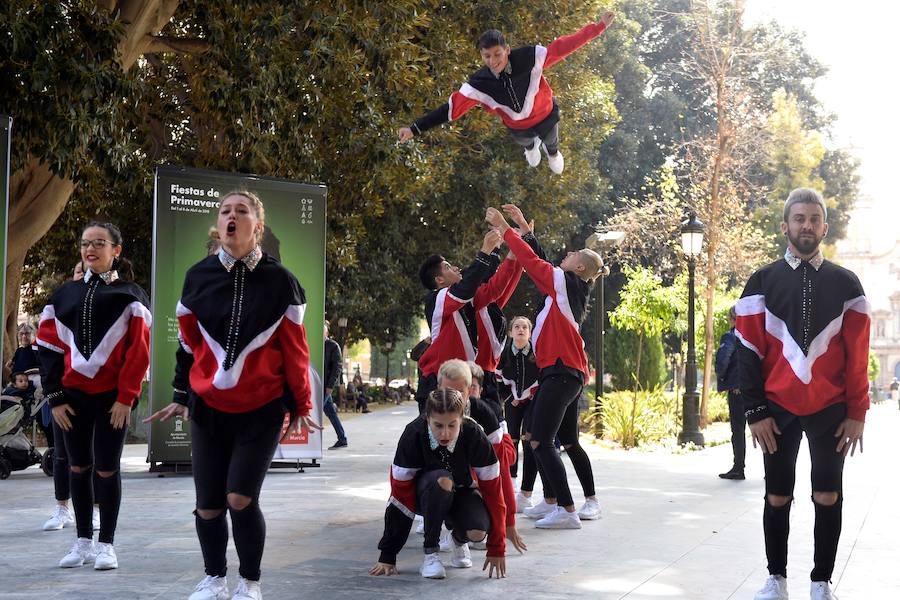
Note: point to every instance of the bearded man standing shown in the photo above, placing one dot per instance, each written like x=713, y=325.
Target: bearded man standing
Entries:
x=803, y=324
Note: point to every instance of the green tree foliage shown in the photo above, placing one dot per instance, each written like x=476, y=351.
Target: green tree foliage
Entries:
x=646, y=308
x=621, y=352
x=313, y=91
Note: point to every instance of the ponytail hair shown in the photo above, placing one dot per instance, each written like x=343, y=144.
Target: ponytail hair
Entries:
x=120, y=264
x=442, y=402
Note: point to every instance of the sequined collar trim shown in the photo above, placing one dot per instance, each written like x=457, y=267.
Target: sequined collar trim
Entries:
x=107, y=277
x=435, y=444
x=526, y=350
x=250, y=260
x=794, y=261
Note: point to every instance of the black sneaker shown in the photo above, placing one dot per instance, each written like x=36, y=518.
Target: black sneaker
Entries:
x=339, y=444
x=737, y=474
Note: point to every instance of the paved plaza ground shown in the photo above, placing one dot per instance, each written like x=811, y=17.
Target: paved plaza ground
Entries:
x=670, y=530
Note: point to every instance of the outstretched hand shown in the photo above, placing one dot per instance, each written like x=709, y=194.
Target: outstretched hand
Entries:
x=495, y=218
x=764, y=433
x=497, y=565
x=607, y=18
x=492, y=241
x=515, y=213
x=512, y=534
x=172, y=410
x=381, y=568
x=405, y=134
x=302, y=423
x=849, y=433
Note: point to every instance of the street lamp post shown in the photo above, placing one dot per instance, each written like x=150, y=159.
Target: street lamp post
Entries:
x=388, y=346
x=692, y=232
x=601, y=242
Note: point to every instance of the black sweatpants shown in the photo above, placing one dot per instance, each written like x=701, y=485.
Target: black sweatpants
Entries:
x=516, y=417
x=92, y=442
x=462, y=509
x=230, y=453
x=556, y=412
x=547, y=131
x=826, y=475
x=738, y=428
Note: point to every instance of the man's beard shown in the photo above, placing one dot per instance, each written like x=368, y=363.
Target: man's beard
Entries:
x=804, y=244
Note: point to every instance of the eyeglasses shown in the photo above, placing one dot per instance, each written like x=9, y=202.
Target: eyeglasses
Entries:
x=96, y=244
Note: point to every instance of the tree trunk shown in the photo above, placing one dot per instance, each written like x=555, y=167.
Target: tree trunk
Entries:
x=37, y=196
x=637, y=386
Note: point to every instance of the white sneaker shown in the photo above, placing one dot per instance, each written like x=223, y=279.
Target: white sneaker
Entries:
x=590, y=510
x=461, y=559
x=533, y=156
x=523, y=502
x=211, y=588
x=559, y=519
x=820, y=590
x=95, y=519
x=775, y=589
x=482, y=545
x=539, y=510
x=445, y=543
x=432, y=567
x=60, y=518
x=247, y=590
x=82, y=552
x=106, y=557
x=556, y=162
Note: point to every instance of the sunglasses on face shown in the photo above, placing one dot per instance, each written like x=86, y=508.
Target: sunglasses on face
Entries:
x=96, y=244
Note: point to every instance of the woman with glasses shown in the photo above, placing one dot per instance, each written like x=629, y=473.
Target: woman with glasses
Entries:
x=94, y=348
x=242, y=363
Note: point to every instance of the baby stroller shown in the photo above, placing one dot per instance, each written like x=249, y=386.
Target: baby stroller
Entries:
x=16, y=450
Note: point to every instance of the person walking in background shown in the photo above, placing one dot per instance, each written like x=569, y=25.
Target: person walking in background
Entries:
x=727, y=379
x=333, y=365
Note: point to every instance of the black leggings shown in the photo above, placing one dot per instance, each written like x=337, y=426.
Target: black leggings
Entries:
x=827, y=476
x=555, y=413
x=230, y=453
x=461, y=508
x=60, y=464
x=516, y=417
x=94, y=444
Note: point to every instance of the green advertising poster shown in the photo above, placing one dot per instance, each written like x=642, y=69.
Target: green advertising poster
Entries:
x=5, y=130
x=185, y=207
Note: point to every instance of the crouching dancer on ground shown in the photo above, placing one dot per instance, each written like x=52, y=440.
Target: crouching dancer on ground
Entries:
x=432, y=475
x=237, y=372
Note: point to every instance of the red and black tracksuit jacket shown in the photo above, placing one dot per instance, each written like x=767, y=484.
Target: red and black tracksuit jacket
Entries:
x=519, y=372
x=95, y=337
x=488, y=303
x=804, y=336
x=472, y=454
x=243, y=343
x=486, y=414
x=556, y=337
x=451, y=316
x=520, y=95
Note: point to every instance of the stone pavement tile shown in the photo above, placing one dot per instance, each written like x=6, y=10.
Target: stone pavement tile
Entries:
x=671, y=530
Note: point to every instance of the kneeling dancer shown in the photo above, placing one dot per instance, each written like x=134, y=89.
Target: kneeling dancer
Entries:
x=432, y=475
